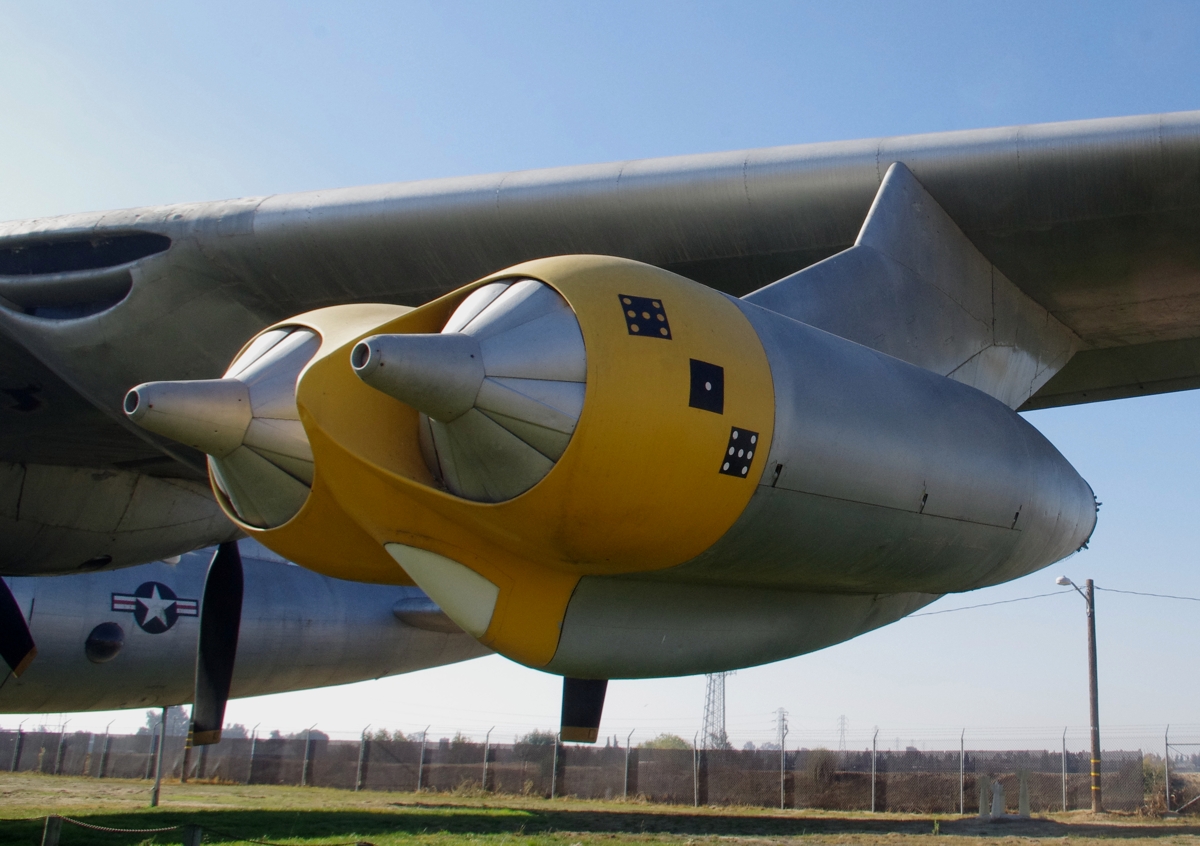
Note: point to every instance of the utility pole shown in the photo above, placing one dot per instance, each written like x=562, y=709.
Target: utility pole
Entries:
x=1089, y=597
x=1094, y=698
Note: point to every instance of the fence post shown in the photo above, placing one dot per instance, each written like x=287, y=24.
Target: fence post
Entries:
x=421, y=761
x=781, y=785
x=628, y=746
x=104, y=753
x=307, y=755
x=51, y=831
x=554, y=770
x=187, y=762
x=1064, y=768
x=1167, y=766
x=874, y=753
x=58, y=753
x=696, y=771
x=16, y=756
x=150, y=755
x=162, y=744
x=962, y=772
x=253, y=749
x=362, y=757
x=487, y=748
x=192, y=834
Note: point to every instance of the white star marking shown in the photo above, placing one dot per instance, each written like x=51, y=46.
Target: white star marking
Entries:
x=156, y=607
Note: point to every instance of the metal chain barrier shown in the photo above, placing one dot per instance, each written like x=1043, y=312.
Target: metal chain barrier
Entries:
x=54, y=822
x=108, y=830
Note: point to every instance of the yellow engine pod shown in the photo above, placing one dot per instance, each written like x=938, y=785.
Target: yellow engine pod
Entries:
x=322, y=535
x=643, y=485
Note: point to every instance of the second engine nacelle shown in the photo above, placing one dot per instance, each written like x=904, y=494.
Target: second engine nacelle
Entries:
x=585, y=418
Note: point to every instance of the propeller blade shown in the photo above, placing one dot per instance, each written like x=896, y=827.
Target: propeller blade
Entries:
x=220, y=619
x=582, y=705
x=16, y=643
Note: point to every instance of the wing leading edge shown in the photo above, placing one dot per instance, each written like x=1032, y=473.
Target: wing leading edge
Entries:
x=1095, y=222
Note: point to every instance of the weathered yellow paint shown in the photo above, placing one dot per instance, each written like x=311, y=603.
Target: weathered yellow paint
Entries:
x=637, y=488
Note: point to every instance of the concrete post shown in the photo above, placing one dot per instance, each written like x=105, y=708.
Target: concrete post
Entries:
x=487, y=748
x=962, y=772
x=362, y=757
x=554, y=771
x=16, y=756
x=421, y=760
x=874, y=754
x=51, y=831
x=162, y=743
x=628, y=746
x=1064, y=769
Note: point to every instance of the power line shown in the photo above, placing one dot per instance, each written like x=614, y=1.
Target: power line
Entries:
x=1053, y=593
x=1140, y=593
x=989, y=604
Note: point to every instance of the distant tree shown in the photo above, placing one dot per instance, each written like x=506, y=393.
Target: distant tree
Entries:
x=535, y=746
x=384, y=734
x=821, y=766
x=234, y=731
x=178, y=721
x=769, y=747
x=537, y=737
x=666, y=741
x=749, y=747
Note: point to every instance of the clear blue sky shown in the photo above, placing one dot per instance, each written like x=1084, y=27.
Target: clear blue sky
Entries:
x=116, y=104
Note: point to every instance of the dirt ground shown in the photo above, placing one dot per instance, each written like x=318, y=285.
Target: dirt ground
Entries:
x=312, y=816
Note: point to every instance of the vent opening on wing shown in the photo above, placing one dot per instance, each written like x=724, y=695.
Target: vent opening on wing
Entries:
x=71, y=255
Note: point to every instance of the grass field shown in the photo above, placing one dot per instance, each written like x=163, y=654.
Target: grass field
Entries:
x=314, y=816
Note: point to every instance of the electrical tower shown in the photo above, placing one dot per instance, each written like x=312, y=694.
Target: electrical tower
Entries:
x=713, y=735
x=843, y=724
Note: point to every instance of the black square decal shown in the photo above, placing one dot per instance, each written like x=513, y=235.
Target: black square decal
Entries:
x=708, y=387
x=644, y=316
x=740, y=453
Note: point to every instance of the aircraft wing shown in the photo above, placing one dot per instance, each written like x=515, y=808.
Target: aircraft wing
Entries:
x=1095, y=221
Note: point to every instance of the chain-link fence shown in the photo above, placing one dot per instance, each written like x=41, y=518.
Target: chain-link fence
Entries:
x=912, y=780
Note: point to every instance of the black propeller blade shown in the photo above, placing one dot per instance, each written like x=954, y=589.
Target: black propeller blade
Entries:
x=220, y=619
x=582, y=705
x=16, y=643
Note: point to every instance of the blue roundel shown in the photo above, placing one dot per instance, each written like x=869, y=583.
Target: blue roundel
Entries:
x=156, y=607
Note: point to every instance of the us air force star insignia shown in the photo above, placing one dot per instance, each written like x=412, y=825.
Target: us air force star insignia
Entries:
x=155, y=606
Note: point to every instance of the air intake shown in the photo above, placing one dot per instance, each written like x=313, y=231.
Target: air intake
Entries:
x=72, y=255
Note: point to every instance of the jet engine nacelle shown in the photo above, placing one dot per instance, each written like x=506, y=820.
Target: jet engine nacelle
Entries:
x=569, y=452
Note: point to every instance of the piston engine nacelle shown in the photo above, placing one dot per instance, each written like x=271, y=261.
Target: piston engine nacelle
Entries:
x=567, y=451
